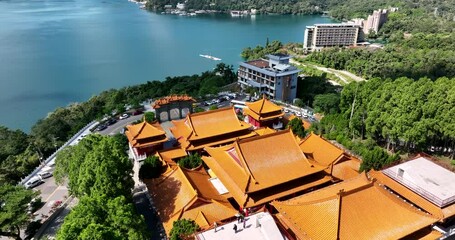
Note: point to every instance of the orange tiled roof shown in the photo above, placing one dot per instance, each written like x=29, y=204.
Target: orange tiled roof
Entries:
x=319, y=149
x=182, y=193
x=259, y=163
x=264, y=131
x=346, y=169
x=138, y=134
x=263, y=109
x=169, y=155
x=170, y=99
x=210, y=128
x=354, y=209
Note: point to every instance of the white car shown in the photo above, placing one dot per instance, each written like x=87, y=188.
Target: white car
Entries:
x=45, y=174
x=124, y=116
x=33, y=182
x=298, y=114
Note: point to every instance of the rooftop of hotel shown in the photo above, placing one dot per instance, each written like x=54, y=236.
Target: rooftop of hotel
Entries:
x=258, y=226
x=264, y=64
x=358, y=208
x=427, y=179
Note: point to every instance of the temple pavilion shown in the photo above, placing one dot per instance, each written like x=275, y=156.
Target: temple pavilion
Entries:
x=188, y=194
x=264, y=113
x=341, y=164
x=260, y=169
x=145, y=139
x=211, y=128
x=358, y=208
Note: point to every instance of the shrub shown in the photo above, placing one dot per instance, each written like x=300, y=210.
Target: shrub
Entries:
x=149, y=117
x=296, y=126
x=182, y=229
x=191, y=161
x=151, y=168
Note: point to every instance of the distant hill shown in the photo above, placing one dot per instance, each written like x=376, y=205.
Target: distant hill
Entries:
x=340, y=9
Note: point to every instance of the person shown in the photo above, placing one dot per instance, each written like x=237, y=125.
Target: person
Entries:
x=244, y=223
x=215, y=225
x=246, y=212
x=235, y=228
x=237, y=215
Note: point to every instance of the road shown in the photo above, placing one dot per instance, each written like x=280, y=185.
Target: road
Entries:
x=343, y=75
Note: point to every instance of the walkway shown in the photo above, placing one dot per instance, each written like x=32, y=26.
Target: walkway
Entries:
x=345, y=76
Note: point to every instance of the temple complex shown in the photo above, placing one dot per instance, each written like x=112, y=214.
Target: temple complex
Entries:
x=211, y=128
x=260, y=169
x=359, y=208
x=145, y=139
x=264, y=113
x=181, y=193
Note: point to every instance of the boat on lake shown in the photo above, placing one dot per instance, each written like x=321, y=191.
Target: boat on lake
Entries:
x=210, y=57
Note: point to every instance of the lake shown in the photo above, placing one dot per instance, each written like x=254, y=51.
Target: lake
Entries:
x=55, y=52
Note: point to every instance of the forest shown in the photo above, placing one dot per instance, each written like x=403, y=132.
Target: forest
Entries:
x=402, y=115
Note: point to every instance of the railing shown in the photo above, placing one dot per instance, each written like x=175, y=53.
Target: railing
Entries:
x=74, y=137
x=137, y=157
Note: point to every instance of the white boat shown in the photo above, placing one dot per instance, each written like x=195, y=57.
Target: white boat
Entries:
x=210, y=57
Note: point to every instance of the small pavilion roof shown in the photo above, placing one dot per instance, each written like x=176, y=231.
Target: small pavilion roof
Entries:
x=182, y=193
x=138, y=133
x=169, y=99
x=264, y=162
x=263, y=109
x=320, y=150
x=354, y=209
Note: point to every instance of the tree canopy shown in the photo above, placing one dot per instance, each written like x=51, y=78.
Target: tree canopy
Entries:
x=98, y=165
x=296, y=125
x=13, y=209
x=182, y=229
x=100, y=217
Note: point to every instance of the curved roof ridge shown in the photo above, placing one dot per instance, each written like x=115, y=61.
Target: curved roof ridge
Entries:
x=142, y=125
x=246, y=167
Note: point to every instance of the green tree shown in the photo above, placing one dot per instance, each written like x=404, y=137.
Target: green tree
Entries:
x=296, y=125
x=327, y=103
x=100, y=217
x=182, y=229
x=149, y=117
x=213, y=107
x=151, y=168
x=191, y=161
x=97, y=165
x=13, y=209
x=376, y=159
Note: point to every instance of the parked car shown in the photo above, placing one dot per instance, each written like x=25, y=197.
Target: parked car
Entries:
x=45, y=174
x=111, y=121
x=33, y=182
x=101, y=127
x=137, y=112
x=124, y=116
x=298, y=114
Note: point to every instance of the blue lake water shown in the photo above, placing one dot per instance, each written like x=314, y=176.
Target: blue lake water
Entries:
x=53, y=53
